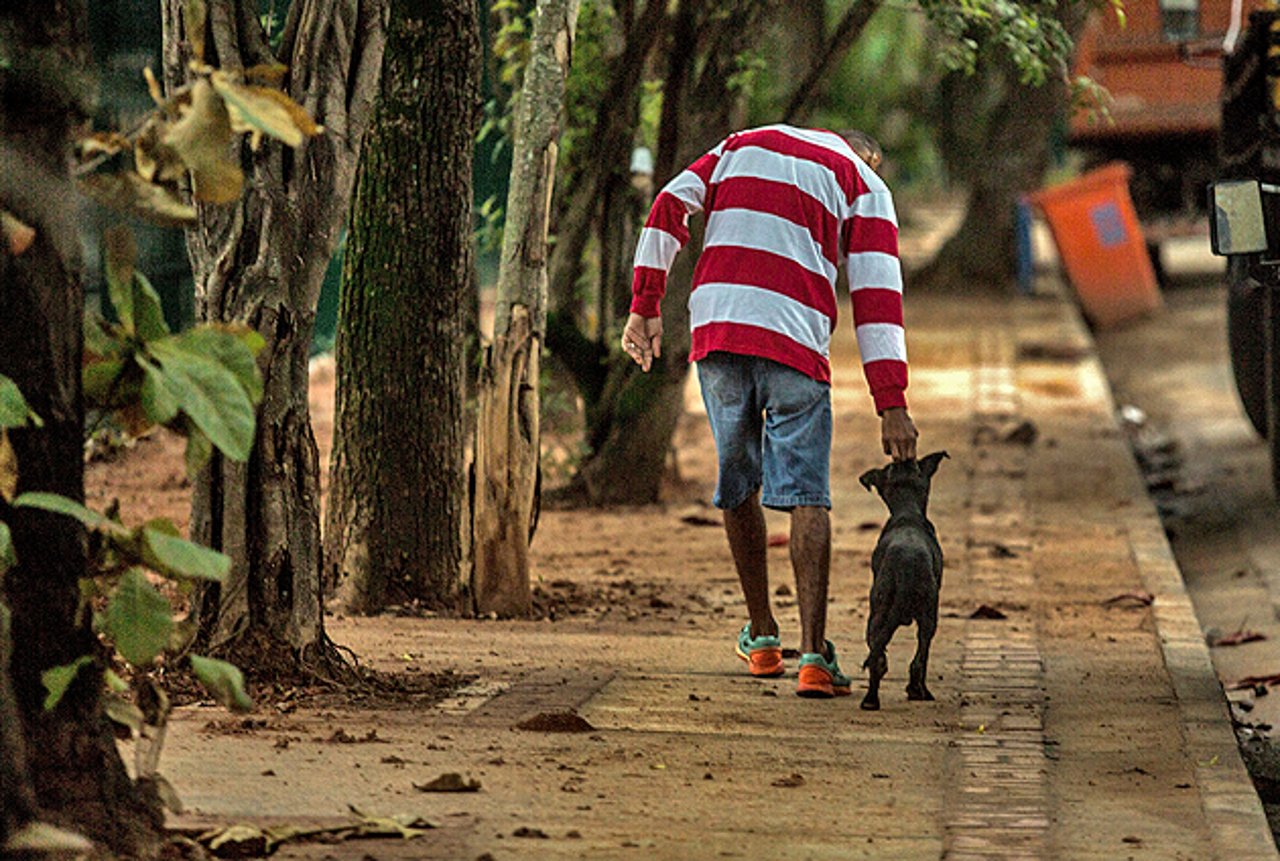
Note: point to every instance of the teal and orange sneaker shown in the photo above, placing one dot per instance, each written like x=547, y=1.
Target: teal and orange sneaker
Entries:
x=763, y=654
x=820, y=676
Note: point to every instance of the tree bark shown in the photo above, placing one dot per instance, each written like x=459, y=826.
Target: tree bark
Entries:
x=508, y=439
x=73, y=771
x=398, y=511
x=261, y=261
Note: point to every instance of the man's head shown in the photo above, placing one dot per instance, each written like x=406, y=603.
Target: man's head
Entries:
x=867, y=147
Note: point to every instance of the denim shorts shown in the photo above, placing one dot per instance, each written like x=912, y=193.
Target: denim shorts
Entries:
x=772, y=426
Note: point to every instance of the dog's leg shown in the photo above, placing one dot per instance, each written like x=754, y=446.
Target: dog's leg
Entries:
x=916, y=687
x=877, y=662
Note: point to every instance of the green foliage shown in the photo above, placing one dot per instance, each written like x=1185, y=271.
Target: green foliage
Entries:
x=138, y=619
x=585, y=86
x=56, y=680
x=155, y=545
x=749, y=68
x=203, y=382
x=224, y=681
x=210, y=393
x=1027, y=32
x=881, y=86
x=14, y=412
x=7, y=557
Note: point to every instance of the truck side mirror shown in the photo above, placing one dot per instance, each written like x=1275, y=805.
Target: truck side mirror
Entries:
x=1238, y=224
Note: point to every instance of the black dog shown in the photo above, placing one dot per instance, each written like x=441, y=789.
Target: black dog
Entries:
x=907, y=571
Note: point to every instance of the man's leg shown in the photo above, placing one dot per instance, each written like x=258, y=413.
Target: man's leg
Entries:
x=811, y=562
x=748, y=539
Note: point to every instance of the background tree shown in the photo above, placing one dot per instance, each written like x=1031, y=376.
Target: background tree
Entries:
x=508, y=436
x=995, y=127
x=398, y=511
x=76, y=774
x=261, y=261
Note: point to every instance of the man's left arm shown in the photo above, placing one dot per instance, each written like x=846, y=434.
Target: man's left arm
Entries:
x=875, y=286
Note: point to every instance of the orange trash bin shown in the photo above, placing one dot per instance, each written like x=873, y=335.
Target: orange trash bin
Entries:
x=1101, y=244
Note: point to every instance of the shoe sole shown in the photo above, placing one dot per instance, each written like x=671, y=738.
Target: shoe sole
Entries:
x=762, y=663
x=816, y=683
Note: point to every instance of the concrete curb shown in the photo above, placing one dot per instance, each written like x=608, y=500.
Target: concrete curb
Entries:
x=1237, y=823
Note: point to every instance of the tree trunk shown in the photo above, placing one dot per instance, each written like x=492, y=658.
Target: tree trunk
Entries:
x=608, y=156
x=261, y=261
x=73, y=767
x=630, y=429
x=398, y=511
x=1010, y=159
x=507, y=439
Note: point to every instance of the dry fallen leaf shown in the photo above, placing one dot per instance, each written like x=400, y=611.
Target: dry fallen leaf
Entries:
x=1238, y=638
x=202, y=138
x=19, y=236
x=131, y=193
x=8, y=468
x=1141, y=599
x=265, y=110
x=1255, y=681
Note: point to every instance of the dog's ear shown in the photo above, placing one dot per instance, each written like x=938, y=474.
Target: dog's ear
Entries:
x=872, y=478
x=929, y=463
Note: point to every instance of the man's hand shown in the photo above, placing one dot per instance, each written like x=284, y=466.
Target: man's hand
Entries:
x=898, y=433
x=642, y=339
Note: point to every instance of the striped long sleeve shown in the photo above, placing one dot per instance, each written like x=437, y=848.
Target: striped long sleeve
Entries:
x=875, y=286
x=666, y=231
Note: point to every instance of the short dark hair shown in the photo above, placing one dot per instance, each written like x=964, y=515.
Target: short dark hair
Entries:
x=863, y=144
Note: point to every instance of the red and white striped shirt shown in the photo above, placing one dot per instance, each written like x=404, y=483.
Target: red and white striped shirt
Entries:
x=784, y=206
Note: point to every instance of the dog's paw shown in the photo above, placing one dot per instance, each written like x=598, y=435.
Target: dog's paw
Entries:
x=920, y=694
x=871, y=704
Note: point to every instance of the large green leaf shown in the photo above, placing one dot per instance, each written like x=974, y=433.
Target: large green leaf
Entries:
x=148, y=313
x=224, y=681
x=62, y=505
x=234, y=347
x=56, y=680
x=103, y=383
x=158, y=402
x=135, y=300
x=139, y=619
x=198, y=452
x=99, y=341
x=208, y=392
x=169, y=554
x=7, y=557
x=14, y=411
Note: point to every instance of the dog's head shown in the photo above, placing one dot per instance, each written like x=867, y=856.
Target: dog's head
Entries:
x=905, y=480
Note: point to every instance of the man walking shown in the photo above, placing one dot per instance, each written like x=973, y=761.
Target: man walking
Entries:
x=784, y=207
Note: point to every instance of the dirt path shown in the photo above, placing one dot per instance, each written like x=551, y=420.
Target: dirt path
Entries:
x=1071, y=728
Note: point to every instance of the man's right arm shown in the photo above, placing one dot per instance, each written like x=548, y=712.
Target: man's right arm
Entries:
x=666, y=231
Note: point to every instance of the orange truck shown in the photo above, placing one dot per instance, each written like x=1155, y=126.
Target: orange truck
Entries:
x=1196, y=89
x=1162, y=65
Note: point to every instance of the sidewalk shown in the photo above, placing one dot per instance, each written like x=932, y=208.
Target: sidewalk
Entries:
x=1072, y=729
